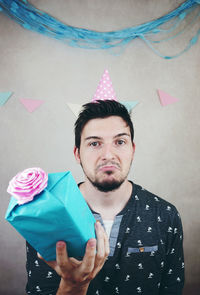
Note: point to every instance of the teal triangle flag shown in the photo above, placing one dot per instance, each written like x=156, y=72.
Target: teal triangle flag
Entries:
x=4, y=96
x=129, y=104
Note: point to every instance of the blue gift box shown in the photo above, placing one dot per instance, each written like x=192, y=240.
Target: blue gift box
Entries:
x=58, y=213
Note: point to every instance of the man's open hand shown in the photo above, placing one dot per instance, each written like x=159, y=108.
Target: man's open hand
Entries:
x=76, y=275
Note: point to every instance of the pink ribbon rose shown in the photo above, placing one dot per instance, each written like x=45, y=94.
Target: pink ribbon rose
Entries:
x=26, y=184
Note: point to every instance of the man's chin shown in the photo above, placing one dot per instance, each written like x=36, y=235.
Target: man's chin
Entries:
x=107, y=186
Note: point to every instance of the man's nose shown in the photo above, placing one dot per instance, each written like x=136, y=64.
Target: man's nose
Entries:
x=108, y=152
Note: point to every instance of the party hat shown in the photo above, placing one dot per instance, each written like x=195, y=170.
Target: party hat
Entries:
x=104, y=90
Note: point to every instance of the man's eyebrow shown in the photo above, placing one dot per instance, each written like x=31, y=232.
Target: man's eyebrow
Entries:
x=99, y=138
x=92, y=137
x=122, y=134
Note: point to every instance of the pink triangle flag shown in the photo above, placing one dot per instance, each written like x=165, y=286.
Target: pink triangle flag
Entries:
x=165, y=98
x=31, y=104
x=105, y=89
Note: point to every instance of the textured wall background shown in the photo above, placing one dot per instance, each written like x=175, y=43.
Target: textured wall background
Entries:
x=167, y=139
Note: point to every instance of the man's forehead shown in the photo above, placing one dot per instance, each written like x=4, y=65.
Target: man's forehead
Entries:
x=106, y=127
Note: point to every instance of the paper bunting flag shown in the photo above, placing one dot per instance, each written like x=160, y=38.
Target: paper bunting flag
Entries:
x=129, y=104
x=4, y=96
x=31, y=104
x=166, y=99
x=104, y=90
x=75, y=108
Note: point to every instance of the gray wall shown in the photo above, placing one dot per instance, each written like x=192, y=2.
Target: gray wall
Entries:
x=167, y=139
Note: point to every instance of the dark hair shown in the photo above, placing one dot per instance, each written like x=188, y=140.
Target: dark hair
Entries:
x=101, y=109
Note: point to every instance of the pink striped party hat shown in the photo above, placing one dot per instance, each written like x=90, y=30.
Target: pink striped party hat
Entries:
x=104, y=90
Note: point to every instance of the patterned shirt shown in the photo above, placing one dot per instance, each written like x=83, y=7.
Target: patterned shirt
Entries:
x=146, y=253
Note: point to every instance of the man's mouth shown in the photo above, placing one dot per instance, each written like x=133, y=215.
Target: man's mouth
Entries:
x=108, y=167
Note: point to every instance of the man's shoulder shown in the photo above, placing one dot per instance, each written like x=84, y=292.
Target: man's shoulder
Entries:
x=148, y=199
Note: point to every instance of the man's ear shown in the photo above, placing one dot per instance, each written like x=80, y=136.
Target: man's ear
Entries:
x=133, y=150
x=133, y=147
x=76, y=154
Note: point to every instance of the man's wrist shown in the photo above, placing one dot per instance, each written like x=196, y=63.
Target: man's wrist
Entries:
x=72, y=289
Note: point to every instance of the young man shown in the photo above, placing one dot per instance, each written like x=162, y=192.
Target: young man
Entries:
x=145, y=232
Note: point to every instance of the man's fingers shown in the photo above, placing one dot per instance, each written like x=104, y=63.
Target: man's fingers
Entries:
x=61, y=255
x=74, y=261
x=93, y=260
x=107, y=246
x=52, y=264
x=100, y=242
x=103, y=248
x=89, y=257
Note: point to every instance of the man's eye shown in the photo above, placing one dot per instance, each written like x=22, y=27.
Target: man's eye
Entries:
x=94, y=143
x=120, y=142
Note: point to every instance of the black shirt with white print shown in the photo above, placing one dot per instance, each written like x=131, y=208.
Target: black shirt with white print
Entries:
x=146, y=253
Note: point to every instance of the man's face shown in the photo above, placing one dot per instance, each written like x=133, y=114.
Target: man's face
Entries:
x=106, y=152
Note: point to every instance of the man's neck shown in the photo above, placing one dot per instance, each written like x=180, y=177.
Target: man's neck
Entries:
x=107, y=204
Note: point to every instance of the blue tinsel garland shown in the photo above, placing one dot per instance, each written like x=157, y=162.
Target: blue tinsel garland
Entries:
x=36, y=20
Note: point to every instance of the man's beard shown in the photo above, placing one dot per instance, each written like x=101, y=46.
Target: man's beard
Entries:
x=106, y=186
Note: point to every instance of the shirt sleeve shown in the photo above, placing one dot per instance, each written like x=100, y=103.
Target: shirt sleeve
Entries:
x=41, y=278
x=173, y=276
